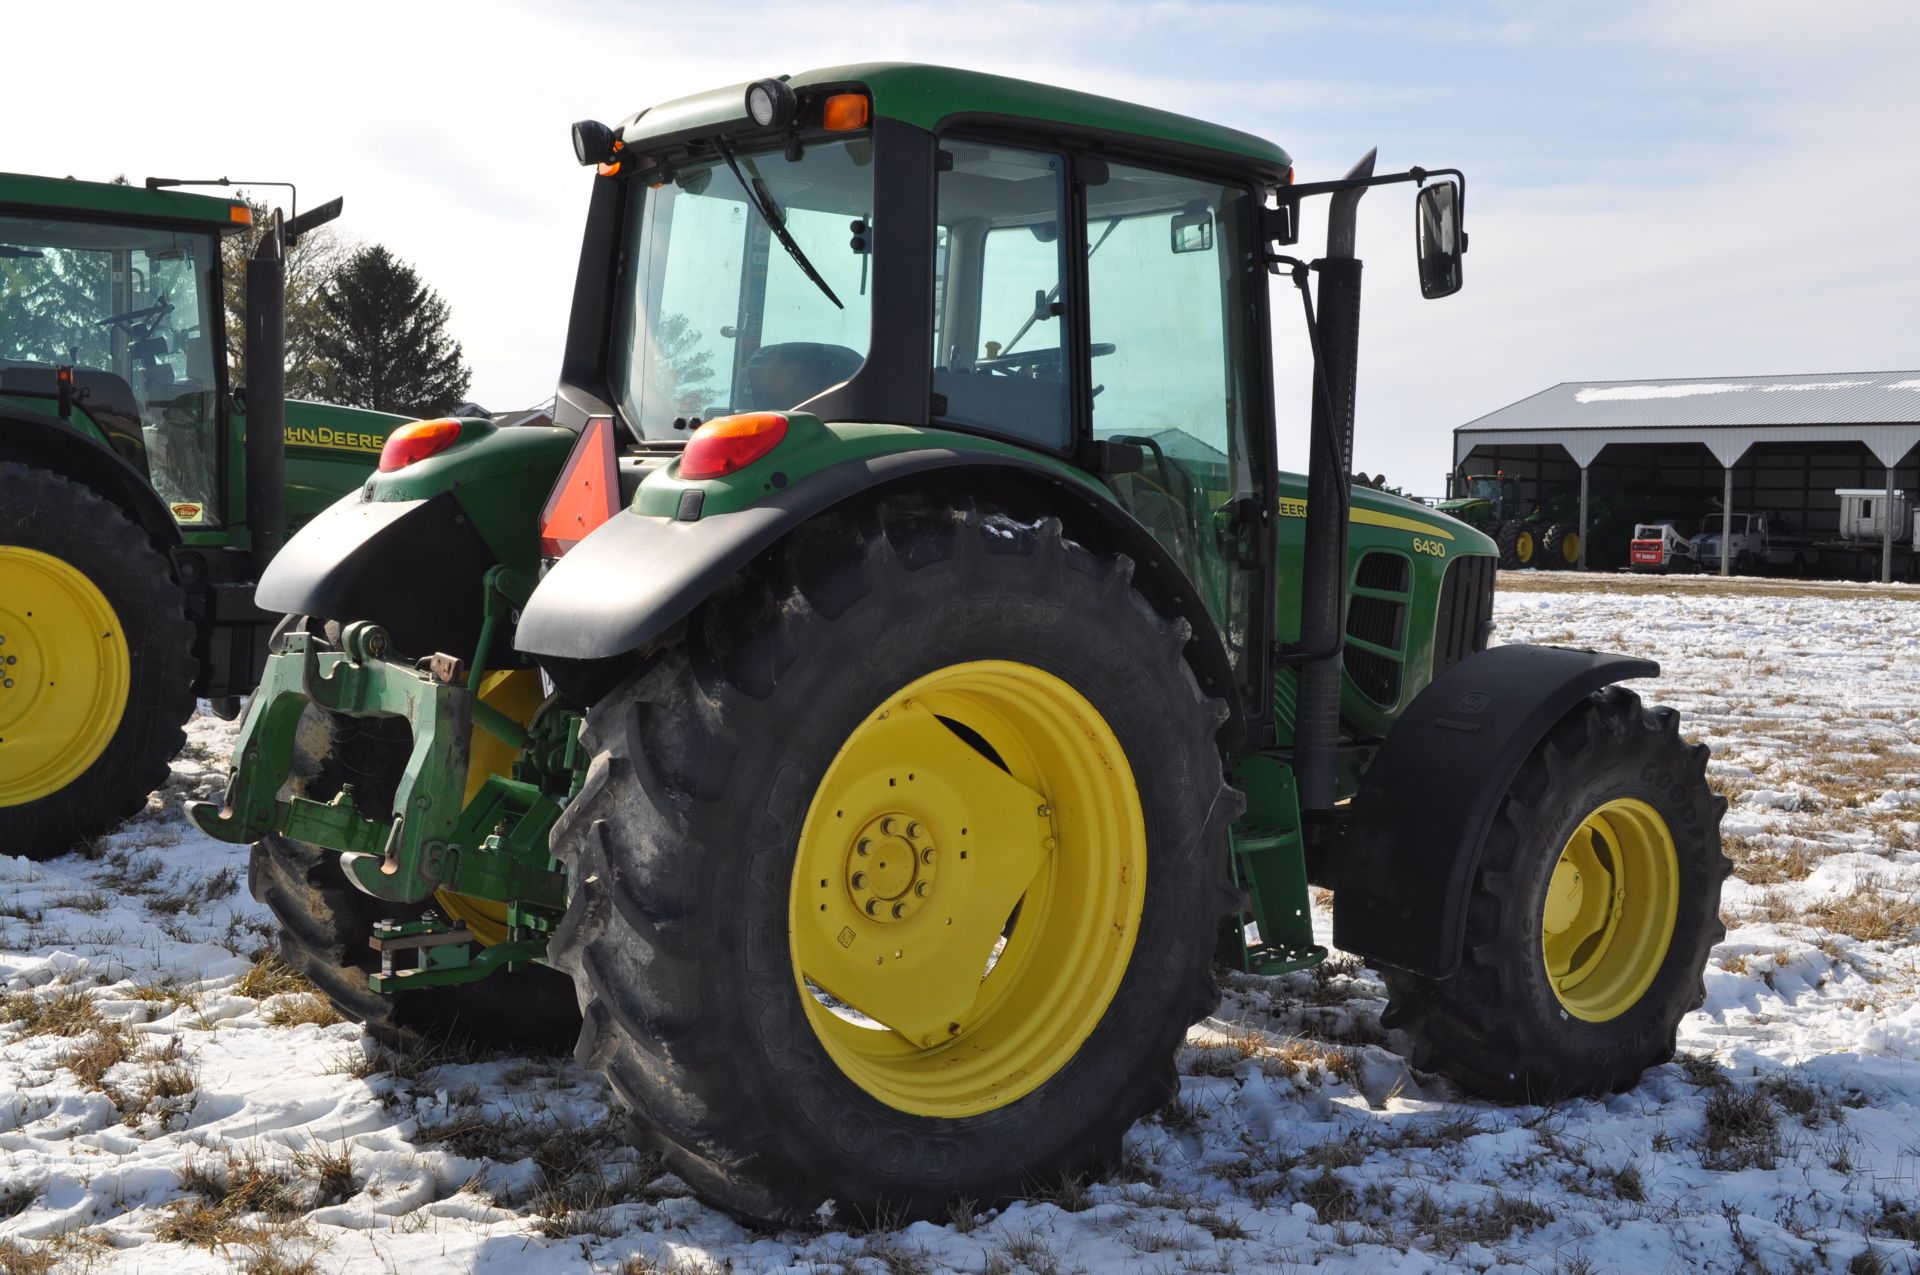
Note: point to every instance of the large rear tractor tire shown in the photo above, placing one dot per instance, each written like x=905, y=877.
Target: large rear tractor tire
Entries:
x=325, y=921
x=96, y=664
x=896, y=879
x=1594, y=908
x=1560, y=547
x=1507, y=540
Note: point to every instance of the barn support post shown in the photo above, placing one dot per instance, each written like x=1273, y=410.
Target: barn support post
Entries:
x=1583, y=517
x=1726, y=521
x=1886, y=534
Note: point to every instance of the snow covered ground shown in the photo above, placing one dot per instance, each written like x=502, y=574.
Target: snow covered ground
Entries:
x=167, y=1104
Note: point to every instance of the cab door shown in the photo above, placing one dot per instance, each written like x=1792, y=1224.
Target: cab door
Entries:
x=1176, y=366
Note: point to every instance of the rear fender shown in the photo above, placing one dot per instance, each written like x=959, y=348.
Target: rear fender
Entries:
x=639, y=574
x=1427, y=801
x=45, y=442
x=410, y=549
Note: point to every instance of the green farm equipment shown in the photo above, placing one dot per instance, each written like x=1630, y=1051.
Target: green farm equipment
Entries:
x=902, y=671
x=1527, y=533
x=138, y=499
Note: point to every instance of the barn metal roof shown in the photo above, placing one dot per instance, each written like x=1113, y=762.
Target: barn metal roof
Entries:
x=1726, y=413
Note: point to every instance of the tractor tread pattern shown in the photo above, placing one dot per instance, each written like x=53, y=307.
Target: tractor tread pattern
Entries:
x=639, y=934
x=1474, y=1026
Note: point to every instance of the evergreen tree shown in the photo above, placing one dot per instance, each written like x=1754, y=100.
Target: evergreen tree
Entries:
x=311, y=266
x=380, y=340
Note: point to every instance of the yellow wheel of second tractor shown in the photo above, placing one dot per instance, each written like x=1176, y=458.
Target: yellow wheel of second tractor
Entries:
x=64, y=672
x=96, y=663
x=896, y=879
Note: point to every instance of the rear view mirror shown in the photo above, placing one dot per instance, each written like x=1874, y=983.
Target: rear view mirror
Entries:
x=1439, y=239
x=1193, y=232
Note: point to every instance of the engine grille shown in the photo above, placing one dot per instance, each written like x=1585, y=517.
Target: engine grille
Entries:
x=1465, y=618
x=1380, y=622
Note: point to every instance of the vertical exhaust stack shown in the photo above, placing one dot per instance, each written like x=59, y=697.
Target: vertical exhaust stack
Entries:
x=1323, y=577
x=266, y=417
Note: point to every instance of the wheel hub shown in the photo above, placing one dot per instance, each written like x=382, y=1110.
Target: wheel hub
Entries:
x=64, y=674
x=890, y=867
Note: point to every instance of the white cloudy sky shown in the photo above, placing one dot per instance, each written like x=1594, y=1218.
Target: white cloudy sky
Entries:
x=1726, y=187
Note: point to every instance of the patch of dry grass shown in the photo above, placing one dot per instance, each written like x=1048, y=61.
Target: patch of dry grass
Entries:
x=271, y=976
x=293, y=1011
x=229, y=1202
x=69, y=1012
x=1869, y=913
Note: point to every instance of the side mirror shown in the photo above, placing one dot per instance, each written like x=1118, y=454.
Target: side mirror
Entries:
x=1439, y=239
x=1192, y=232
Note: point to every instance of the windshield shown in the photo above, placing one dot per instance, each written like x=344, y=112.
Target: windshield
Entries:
x=127, y=308
x=716, y=316
x=1483, y=488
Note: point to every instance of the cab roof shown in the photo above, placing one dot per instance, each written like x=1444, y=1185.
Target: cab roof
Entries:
x=56, y=195
x=930, y=96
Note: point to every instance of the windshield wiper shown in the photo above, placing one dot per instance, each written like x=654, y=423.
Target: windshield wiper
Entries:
x=1054, y=295
x=770, y=213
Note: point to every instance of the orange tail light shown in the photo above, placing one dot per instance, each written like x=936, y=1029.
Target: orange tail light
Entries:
x=728, y=443
x=417, y=440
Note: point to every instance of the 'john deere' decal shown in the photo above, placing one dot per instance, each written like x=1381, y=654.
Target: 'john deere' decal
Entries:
x=339, y=440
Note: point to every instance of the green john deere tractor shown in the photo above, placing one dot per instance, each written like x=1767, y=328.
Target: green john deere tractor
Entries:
x=1527, y=533
x=903, y=670
x=138, y=499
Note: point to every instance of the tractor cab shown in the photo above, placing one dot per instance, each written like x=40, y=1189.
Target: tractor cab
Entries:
x=111, y=320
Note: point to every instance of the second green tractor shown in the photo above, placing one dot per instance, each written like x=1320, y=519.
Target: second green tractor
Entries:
x=903, y=675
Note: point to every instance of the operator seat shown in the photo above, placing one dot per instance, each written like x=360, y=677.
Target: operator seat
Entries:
x=104, y=396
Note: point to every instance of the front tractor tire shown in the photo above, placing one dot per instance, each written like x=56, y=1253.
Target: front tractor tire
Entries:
x=896, y=878
x=1593, y=911
x=1560, y=547
x=1519, y=546
x=96, y=664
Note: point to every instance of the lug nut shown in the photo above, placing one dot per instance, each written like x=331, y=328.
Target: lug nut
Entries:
x=859, y=880
x=923, y=889
x=899, y=910
x=873, y=907
x=926, y=856
x=863, y=847
x=1045, y=812
x=886, y=825
x=913, y=832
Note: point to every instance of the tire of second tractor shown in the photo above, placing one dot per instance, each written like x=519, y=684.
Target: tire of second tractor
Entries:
x=1499, y=1026
x=686, y=933
x=1508, y=542
x=1560, y=547
x=83, y=589
x=325, y=921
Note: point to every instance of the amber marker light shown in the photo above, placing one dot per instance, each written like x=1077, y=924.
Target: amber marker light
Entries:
x=844, y=111
x=240, y=214
x=418, y=440
x=730, y=443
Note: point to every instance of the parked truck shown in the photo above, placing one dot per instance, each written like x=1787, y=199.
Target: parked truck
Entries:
x=1865, y=515
x=1755, y=542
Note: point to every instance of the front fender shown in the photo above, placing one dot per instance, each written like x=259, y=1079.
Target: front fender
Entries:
x=1428, y=800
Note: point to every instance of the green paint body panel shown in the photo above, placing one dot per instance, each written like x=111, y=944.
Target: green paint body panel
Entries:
x=109, y=200
x=330, y=451
x=79, y=422
x=810, y=446
x=501, y=477
x=930, y=96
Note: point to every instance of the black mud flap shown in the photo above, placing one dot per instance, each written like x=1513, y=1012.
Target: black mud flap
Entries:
x=1429, y=797
x=416, y=567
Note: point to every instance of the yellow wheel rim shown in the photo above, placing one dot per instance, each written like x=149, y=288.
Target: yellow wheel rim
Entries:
x=517, y=693
x=958, y=927
x=1570, y=548
x=64, y=674
x=1523, y=547
x=1610, y=910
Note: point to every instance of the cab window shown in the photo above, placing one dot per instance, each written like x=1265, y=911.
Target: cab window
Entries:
x=1000, y=353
